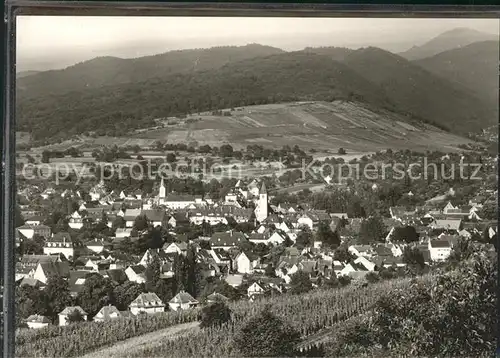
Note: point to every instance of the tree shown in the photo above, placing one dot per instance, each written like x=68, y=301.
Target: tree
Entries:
x=119, y=222
x=153, y=271
x=171, y=158
x=342, y=254
x=304, y=238
x=226, y=151
x=75, y=317
x=414, y=258
x=215, y=314
x=341, y=151
x=372, y=230
x=300, y=283
x=141, y=222
x=327, y=236
x=405, y=234
x=266, y=335
x=125, y=293
x=58, y=295
x=97, y=292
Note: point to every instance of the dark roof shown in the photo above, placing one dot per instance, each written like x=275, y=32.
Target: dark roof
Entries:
x=230, y=238
x=56, y=268
x=183, y=297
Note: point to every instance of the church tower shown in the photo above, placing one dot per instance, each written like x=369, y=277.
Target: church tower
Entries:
x=261, y=211
x=163, y=191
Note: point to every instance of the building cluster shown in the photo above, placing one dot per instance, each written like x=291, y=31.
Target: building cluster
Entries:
x=226, y=255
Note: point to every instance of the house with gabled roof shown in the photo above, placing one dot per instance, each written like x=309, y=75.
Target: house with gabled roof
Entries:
x=182, y=301
x=37, y=321
x=245, y=263
x=439, y=249
x=64, y=315
x=148, y=303
x=59, y=243
x=446, y=224
x=130, y=215
x=47, y=269
x=107, y=313
x=29, y=231
x=136, y=273
x=227, y=240
x=156, y=217
x=179, y=248
x=216, y=297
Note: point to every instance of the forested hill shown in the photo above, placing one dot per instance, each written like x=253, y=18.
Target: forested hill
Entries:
x=474, y=66
x=371, y=75
x=103, y=71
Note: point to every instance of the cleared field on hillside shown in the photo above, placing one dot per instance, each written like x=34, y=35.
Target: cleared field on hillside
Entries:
x=318, y=125
x=310, y=125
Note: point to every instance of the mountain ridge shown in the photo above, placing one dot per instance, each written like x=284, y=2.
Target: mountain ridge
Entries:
x=448, y=40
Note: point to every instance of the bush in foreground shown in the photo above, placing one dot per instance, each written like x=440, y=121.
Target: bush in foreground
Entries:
x=266, y=335
x=215, y=314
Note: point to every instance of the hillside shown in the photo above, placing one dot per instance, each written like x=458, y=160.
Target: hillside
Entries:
x=474, y=66
x=277, y=78
x=371, y=76
x=448, y=40
x=421, y=93
x=23, y=74
x=104, y=71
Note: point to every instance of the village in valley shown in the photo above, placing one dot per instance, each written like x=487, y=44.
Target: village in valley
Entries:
x=104, y=253
x=254, y=198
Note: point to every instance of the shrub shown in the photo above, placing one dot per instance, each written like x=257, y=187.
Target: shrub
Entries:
x=266, y=335
x=215, y=314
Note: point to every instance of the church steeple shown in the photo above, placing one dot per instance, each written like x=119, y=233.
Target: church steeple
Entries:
x=263, y=189
x=163, y=191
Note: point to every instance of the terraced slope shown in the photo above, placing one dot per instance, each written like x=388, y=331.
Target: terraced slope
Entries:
x=319, y=125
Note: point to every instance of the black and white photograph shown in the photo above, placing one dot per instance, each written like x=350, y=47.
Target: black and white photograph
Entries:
x=256, y=186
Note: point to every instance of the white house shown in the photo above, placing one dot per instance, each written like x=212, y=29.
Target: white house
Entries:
x=136, y=273
x=255, y=289
x=63, y=316
x=305, y=220
x=147, y=303
x=177, y=201
x=107, y=313
x=439, y=250
x=122, y=233
x=182, y=301
x=370, y=266
x=59, y=243
x=175, y=248
x=36, y=321
x=95, y=245
x=75, y=221
x=243, y=264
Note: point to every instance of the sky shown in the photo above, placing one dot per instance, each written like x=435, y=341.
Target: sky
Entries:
x=49, y=42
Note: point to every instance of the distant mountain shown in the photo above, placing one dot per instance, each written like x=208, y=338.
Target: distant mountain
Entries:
x=335, y=53
x=104, y=71
x=474, y=66
x=421, y=93
x=449, y=40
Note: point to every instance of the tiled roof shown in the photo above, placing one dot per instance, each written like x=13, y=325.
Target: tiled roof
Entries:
x=147, y=299
x=71, y=309
x=227, y=238
x=182, y=298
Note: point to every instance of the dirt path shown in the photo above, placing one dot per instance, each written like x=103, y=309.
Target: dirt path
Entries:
x=134, y=343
